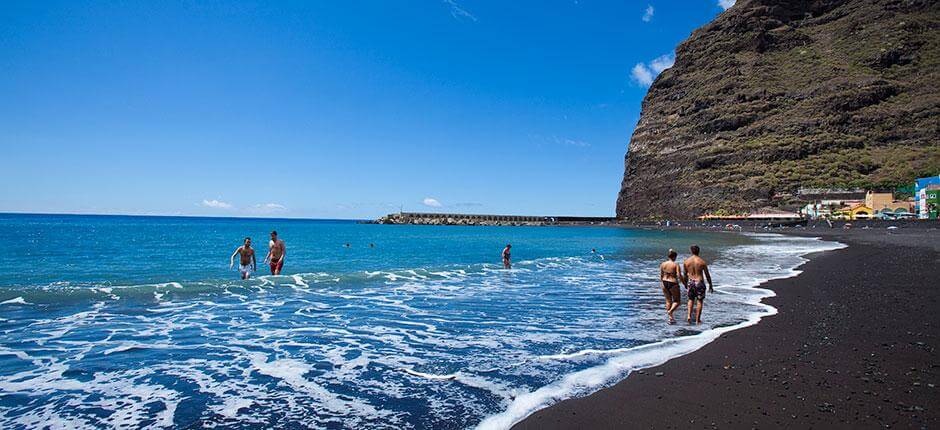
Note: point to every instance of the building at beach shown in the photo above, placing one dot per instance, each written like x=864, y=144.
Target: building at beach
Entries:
x=928, y=202
x=921, y=187
x=854, y=212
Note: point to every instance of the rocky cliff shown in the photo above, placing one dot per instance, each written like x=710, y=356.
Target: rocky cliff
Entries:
x=774, y=95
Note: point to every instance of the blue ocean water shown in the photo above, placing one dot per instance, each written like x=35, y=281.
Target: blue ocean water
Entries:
x=113, y=321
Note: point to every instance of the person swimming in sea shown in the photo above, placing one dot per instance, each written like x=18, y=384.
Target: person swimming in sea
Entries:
x=670, y=275
x=277, y=250
x=695, y=270
x=247, y=261
x=507, y=257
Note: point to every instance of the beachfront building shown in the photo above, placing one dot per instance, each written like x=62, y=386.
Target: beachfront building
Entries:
x=822, y=202
x=827, y=208
x=765, y=215
x=894, y=214
x=928, y=202
x=920, y=188
x=854, y=212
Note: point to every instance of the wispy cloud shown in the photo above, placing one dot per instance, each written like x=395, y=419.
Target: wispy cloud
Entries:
x=431, y=202
x=267, y=208
x=217, y=204
x=558, y=140
x=725, y=4
x=458, y=12
x=648, y=14
x=575, y=142
x=644, y=74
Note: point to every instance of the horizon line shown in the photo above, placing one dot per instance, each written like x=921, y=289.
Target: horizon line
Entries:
x=181, y=216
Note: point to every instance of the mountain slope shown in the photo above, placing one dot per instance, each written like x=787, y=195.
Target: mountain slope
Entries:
x=774, y=95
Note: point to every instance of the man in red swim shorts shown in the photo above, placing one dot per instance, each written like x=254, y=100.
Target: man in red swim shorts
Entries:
x=276, y=253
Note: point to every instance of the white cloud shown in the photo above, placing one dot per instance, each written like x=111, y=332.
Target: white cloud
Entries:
x=267, y=208
x=458, y=12
x=648, y=15
x=644, y=74
x=574, y=142
x=725, y=4
x=217, y=204
x=662, y=63
x=432, y=203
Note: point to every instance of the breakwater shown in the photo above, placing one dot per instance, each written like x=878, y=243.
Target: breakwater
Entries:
x=431, y=218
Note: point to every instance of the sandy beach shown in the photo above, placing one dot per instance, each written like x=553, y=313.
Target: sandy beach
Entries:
x=853, y=346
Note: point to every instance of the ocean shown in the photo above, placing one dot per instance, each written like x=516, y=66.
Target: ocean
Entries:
x=120, y=321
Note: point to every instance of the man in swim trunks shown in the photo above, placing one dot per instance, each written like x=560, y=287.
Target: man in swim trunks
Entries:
x=247, y=262
x=276, y=253
x=695, y=270
x=670, y=275
x=507, y=257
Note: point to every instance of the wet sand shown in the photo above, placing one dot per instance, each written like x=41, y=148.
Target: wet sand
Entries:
x=854, y=346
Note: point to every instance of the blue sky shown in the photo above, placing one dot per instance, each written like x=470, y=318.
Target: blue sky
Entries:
x=326, y=109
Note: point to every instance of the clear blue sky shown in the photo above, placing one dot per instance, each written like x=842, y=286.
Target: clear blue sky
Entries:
x=327, y=108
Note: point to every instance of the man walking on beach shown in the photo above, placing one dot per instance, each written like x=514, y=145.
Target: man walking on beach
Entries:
x=276, y=253
x=670, y=276
x=247, y=262
x=695, y=270
x=507, y=258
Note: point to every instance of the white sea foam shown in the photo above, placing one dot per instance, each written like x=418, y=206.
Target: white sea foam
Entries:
x=625, y=360
x=15, y=301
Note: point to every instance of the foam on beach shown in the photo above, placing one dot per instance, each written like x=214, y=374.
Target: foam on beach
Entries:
x=622, y=361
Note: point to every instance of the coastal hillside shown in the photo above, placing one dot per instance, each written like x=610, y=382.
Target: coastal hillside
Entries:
x=774, y=95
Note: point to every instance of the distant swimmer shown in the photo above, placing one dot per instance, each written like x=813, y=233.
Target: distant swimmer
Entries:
x=695, y=270
x=670, y=275
x=276, y=253
x=247, y=262
x=507, y=257
x=347, y=245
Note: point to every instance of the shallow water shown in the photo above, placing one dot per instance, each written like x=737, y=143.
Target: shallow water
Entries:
x=137, y=321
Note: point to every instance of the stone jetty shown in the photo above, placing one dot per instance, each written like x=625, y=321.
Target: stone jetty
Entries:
x=432, y=218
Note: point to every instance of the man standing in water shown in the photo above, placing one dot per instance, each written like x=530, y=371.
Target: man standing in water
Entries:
x=276, y=253
x=695, y=270
x=247, y=262
x=507, y=258
x=670, y=275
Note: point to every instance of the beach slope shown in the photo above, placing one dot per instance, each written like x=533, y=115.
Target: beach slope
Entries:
x=853, y=346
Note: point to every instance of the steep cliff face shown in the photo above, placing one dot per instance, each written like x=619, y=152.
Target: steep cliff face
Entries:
x=774, y=95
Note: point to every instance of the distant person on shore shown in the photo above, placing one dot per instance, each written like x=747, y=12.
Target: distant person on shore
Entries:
x=696, y=273
x=276, y=253
x=247, y=261
x=507, y=257
x=670, y=275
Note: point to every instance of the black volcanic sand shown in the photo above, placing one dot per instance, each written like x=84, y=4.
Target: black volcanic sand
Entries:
x=854, y=346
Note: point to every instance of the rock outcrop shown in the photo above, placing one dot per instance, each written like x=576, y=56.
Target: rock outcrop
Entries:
x=774, y=95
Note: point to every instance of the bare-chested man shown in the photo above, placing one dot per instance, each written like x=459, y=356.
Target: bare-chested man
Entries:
x=247, y=262
x=696, y=273
x=276, y=253
x=670, y=275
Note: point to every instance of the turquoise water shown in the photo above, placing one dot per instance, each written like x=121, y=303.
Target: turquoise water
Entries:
x=139, y=322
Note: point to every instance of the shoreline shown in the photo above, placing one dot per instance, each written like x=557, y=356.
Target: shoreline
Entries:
x=816, y=363
x=622, y=362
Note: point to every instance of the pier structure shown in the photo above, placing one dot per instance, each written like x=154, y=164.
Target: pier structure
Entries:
x=436, y=218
